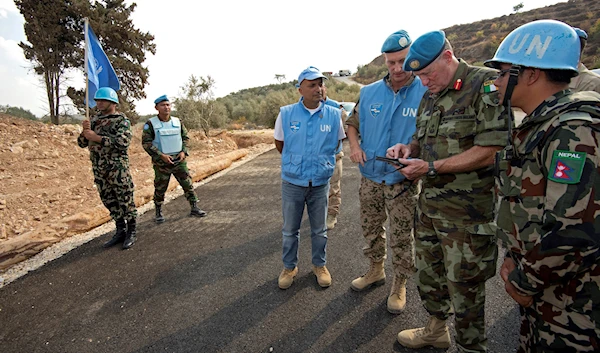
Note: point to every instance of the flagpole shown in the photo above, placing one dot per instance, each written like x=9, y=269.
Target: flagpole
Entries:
x=87, y=98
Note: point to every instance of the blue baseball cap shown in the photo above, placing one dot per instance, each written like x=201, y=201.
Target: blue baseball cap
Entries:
x=581, y=33
x=161, y=99
x=424, y=51
x=310, y=73
x=396, y=41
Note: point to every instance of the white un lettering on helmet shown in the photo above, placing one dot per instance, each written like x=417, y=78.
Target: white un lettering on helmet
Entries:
x=536, y=44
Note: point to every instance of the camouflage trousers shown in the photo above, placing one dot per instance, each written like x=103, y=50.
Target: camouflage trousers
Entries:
x=379, y=202
x=453, y=262
x=335, y=187
x=546, y=328
x=162, y=176
x=116, y=192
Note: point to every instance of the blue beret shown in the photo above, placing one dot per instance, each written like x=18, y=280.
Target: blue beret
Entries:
x=161, y=99
x=310, y=73
x=581, y=33
x=396, y=41
x=424, y=51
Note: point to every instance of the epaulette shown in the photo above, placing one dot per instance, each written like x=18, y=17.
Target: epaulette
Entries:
x=575, y=115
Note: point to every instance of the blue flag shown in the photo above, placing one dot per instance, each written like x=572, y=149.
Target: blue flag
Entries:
x=99, y=70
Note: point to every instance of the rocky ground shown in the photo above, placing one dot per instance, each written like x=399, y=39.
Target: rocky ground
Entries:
x=45, y=176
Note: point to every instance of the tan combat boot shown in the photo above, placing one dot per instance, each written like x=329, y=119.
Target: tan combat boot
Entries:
x=374, y=277
x=397, y=299
x=434, y=334
x=331, y=221
x=286, y=278
x=323, y=276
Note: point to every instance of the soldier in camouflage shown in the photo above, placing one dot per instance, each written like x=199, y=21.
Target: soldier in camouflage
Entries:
x=548, y=182
x=460, y=127
x=165, y=139
x=384, y=116
x=107, y=136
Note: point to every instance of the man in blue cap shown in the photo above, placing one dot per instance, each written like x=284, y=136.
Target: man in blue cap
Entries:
x=165, y=139
x=108, y=136
x=307, y=134
x=384, y=116
x=586, y=80
x=461, y=125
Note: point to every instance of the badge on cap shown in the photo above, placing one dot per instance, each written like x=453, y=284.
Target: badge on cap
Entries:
x=415, y=64
x=566, y=166
x=403, y=42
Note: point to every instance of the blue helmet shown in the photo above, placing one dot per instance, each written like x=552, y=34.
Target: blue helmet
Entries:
x=106, y=93
x=542, y=44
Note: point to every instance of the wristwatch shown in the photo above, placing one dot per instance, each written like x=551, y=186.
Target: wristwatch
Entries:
x=431, y=173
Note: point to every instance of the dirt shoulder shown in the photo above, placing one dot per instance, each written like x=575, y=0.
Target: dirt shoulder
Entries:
x=45, y=177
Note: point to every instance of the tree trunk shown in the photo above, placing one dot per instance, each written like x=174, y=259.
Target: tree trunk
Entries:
x=48, y=79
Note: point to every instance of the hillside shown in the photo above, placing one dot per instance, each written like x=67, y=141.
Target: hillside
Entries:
x=476, y=42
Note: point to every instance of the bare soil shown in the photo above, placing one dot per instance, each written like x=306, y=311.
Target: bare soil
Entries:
x=45, y=176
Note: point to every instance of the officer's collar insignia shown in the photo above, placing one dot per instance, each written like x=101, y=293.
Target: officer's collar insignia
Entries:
x=294, y=126
x=458, y=84
x=414, y=64
x=375, y=109
x=566, y=166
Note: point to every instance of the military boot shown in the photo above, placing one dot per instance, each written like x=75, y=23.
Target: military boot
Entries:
x=119, y=235
x=286, y=277
x=374, y=277
x=434, y=334
x=397, y=299
x=158, y=218
x=131, y=237
x=196, y=211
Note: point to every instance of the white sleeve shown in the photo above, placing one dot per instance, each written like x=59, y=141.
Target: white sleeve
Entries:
x=278, y=133
x=341, y=132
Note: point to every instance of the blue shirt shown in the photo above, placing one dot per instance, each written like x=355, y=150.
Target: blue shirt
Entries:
x=310, y=143
x=385, y=119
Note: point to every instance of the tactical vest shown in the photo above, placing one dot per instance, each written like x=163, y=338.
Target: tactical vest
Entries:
x=386, y=118
x=167, y=135
x=521, y=180
x=310, y=143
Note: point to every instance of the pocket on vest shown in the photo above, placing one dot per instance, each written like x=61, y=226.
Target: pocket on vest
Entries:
x=292, y=165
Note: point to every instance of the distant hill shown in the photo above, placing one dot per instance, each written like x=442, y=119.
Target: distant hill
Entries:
x=476, y=42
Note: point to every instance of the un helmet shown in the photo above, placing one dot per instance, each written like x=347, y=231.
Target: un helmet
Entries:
x=107, y=93
x=542, y=44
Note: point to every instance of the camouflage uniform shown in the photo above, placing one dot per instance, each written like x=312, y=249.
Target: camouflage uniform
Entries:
x=585, y=81
x=335, y=186
x=455, y=246
x=549, y=211
x=110, y=164
x=163, y=171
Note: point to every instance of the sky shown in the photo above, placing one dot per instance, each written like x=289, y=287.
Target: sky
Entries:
x=243, y=44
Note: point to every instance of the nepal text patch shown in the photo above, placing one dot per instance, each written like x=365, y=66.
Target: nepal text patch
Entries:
x=566, y=166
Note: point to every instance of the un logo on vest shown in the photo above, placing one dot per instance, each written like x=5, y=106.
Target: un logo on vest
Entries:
x=375, y=109
x=294, y=126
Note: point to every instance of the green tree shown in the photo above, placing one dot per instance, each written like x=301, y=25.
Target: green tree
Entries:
x=18, y=112
x=53, y=30
x=126, y=48
x=197, y=107
x=518, y=7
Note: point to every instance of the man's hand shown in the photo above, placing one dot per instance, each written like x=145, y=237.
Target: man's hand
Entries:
x=91, y=135
x=415, y=168
x=181, y=156
x=398, y=150
x=507, y=267
x=166, y=158
x=357, y=155
x=86, y=124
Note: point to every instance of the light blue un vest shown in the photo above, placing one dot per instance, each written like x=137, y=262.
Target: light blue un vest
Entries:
x=310, y=143
x=167, y=135
x=386, y=118
x=335, y=104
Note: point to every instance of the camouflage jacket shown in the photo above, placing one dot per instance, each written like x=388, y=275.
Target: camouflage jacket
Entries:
x=111, y=153
x=465, y=114
x=549, y=211
x=153, y=151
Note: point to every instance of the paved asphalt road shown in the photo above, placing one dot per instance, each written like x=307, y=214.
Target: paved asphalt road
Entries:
x=210, y=285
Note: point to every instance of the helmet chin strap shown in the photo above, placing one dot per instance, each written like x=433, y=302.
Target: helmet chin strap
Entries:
x=513, y=79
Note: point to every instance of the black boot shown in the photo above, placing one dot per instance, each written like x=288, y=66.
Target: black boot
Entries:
x=130, y=238
x=158, y=218
x=119, y=235
x=196, y=211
